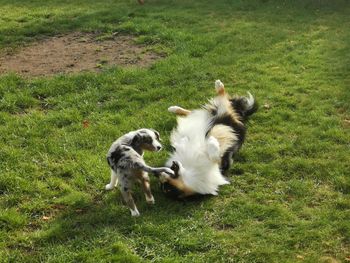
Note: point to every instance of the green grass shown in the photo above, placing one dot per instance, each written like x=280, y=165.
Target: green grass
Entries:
x=289, y=200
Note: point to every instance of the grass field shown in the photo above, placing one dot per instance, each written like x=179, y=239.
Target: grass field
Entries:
x=289, y=200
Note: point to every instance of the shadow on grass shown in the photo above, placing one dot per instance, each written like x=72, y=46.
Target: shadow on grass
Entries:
x=107, y=211
x=108, y=17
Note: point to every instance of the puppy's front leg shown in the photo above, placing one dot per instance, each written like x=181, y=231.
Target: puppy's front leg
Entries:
x=114, y=180
x=153, y=170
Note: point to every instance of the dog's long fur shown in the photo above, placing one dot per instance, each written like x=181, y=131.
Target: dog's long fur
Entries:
x=127, y=165
x=204, y=142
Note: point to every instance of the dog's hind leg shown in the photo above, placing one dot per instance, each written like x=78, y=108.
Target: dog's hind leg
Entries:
x=130, y=202
x=220, y=88
x=226, y=162
x=179, y=111
x=114, y=180
x=125, y=189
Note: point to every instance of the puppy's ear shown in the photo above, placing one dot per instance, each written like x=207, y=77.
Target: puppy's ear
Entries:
x=175, y=167
x=136, y=140
x=156, y=133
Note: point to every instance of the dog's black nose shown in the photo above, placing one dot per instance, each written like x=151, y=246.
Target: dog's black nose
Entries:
x=159, y=148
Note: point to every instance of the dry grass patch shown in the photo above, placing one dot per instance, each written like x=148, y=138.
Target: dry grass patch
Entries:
x=75, y=52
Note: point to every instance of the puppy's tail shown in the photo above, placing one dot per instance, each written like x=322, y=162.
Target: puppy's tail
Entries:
x=244, y=106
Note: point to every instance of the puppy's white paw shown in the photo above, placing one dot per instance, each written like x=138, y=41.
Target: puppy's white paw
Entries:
x=168, y=171
x=135, y=212
x=109, y=187
x=150, y=200
x=174, y=109
x=213, y=149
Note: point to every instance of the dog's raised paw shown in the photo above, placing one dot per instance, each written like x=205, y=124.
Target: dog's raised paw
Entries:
x=219, y=87
x=219, y=84
x=173, y=109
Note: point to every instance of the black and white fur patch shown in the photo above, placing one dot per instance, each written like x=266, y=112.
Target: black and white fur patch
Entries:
x=204, y=142
x=127, y=164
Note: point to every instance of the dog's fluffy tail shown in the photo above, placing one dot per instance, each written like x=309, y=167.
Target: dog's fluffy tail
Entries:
x=244, y=106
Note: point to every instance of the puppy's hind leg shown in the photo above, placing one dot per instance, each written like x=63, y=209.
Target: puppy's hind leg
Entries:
x=126, y=193
x=179, y=111
x=114, y=181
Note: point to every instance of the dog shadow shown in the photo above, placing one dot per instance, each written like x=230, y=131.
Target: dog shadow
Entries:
x=106, y=212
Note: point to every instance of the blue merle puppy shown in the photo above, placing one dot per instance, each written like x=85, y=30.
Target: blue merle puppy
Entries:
x=127, y=164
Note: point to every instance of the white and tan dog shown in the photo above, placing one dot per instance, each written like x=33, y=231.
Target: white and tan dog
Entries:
x=204, y=142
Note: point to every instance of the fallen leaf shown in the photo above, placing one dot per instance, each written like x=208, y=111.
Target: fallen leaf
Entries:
x=86, y=124
x=300, y=257
x=46, y=218
x=267, y=106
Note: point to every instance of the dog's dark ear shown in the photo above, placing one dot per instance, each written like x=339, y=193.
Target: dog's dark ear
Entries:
x=175, y=167
x=156, y=133
x=136, y=140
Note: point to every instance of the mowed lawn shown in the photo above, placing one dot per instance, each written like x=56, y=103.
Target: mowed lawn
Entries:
x=289, y=198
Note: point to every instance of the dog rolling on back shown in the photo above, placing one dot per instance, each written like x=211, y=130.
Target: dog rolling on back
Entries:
x=204, y=142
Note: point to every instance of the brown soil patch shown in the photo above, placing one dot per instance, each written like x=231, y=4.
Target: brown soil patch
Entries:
x=75, y=52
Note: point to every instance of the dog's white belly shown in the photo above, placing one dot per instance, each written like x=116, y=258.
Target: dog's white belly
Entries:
x=201, y=172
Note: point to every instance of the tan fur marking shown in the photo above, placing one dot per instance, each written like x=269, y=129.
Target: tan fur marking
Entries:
x=220, y=88
x=221, y=91
x=179, y=184
x=182, y=112
x=224, y=135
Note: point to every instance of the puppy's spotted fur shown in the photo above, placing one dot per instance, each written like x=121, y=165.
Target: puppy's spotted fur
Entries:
x=127, y=165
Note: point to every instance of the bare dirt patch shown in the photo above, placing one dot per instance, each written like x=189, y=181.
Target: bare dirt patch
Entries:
x=75, y=52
